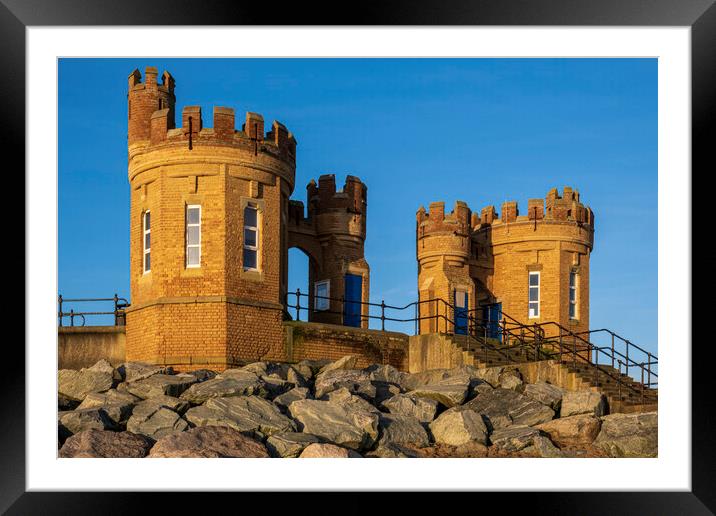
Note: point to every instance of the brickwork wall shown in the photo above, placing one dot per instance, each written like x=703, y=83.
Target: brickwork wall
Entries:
x=317, y=341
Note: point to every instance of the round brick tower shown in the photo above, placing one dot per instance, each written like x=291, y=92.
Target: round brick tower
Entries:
x=208, y=232
x=443, y=252
x=537, y=265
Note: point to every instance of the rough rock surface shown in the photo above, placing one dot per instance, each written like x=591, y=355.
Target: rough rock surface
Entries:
x=583, y=402
x=101, y=444
x=76, y=385
x=133, y=371
x=629, y=435
x=295, y=394
x=335, y=423
x=344, y=398
x=252, y=414
x=346, y=362
x=572, y=431
x=393, y=451
x=161, y=384
x=118, y=405
x=448, y=392
x=503, y=407
x=289, y=444
x=208, y=441
x=221, y=386
x=155, y=421
x=325, y=450
x=402, y=430
x=386, y=373
x=424, y=409
x=514, y=438
x=356, y=381
x=77, y=421
x=176, y=404
x=456, y=427
x=545, y=393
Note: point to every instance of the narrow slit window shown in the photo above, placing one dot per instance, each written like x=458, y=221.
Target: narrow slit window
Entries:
x=146, y=242
x=251, y=237
x=322, y=292
x=193, y=236
x=573, y=295
x=534, y=295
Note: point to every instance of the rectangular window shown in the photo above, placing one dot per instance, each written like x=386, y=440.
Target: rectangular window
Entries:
x=534, y=295
x=193, y=235
x=322, y=291
x=146, y=242
x=251, y=237
x=572, y=295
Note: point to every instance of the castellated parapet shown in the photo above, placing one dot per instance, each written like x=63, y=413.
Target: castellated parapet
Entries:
x=496, y=256
x=208, y=231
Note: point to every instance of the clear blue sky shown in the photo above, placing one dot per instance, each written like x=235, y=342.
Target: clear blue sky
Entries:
x=415, y=130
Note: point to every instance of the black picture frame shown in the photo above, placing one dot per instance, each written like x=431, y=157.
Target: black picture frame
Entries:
x=700, y=15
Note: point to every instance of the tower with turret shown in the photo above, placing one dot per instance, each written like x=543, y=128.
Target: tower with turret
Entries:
x=532, y=267
x=208, y=231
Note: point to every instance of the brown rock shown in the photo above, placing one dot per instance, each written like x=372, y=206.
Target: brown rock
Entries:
x=102, y=443
x=208, y=442
x=573, y=431
x=326, y=450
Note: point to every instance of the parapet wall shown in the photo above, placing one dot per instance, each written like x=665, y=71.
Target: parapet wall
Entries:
x=83, y=346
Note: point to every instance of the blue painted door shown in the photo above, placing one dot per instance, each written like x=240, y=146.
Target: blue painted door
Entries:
x=460, y=313
x=352, y=306
x=493, y=314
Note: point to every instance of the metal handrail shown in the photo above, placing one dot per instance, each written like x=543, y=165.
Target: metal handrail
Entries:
x=120, y=304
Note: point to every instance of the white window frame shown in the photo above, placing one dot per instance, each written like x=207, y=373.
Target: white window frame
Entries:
x=186, y=236
x=539, y=295
x=321, y=304
x=573, y=288
x=146, y=250
x=256, y=247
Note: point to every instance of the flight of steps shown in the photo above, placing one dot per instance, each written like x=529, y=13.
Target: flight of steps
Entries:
x=627, y=399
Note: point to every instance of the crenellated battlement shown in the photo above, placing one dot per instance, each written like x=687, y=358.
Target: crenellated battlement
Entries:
x=324, y=197
x=152, y=122
x=565, y=208
x=436, y=221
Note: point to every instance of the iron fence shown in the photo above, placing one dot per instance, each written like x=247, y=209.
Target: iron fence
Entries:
x=118, y=312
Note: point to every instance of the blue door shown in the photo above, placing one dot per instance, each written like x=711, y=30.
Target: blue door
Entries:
x=460, y=313
x=352, y=306
x=492, y=315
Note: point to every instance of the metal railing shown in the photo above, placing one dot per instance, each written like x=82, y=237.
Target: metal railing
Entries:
x=118, y=312
x=512, y=340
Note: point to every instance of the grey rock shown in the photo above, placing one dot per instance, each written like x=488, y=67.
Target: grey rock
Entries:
x=257, y=368
x=629, y=435
x=297, y=393
x=220, y=387
x=503, y=407
x=289, y=444
x=209, y=442
x=384, y=391
x=133, y=371
x=64, y=403
x=572, y=431
x=393, y=451
x=118, y=405
x=346, y=362
x=178, y=405
x=356, y=381
x=275, y=385
x=78, y=420
x=514, y=438
x=202, y=375
x=155, y=421
x=106, y=444
x=543, y=447
x=310, y=368
x=449, y=392
x=491, y=375
x=76, y=385
x=344, y=398
x=333, y=422
x=161, y=384
x=583, y=402
x=249, y=414
x=295, y=377
x=402, y=430
x=101, y=366
x=424, y=409
x=386, y=373
x=456, y=427
x=512, y=380
x=327, y=450
x=545, y=393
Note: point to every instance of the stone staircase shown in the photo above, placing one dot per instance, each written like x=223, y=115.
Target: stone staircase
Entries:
x=623, y=392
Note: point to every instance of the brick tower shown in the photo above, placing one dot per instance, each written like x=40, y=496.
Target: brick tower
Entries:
x=333, y=236
x=208, y=232
x=533, y=267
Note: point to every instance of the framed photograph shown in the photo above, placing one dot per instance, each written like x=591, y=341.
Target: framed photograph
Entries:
x=447, y=115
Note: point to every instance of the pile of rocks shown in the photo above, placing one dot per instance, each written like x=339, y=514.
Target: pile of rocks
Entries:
x=332, y=409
